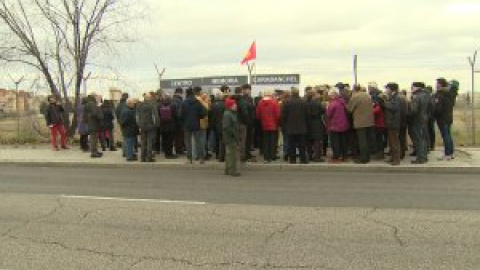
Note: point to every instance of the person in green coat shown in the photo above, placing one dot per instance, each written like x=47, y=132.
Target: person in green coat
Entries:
x=231, y=137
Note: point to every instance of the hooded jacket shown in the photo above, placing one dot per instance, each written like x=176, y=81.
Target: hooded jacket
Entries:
x=268, y=112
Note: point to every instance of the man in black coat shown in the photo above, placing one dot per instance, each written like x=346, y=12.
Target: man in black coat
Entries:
x=130, y=131
x=295, y=119
x=148, y=121
x=191, y=112
x=444, y=103
x=393, y=117
x=418, y=115
x=167, y=112
x=179, y=139
x=93, y=116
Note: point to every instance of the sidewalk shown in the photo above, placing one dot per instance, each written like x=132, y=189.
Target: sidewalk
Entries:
x=467, y=160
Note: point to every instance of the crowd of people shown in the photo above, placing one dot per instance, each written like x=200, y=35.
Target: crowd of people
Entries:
x=357, y=123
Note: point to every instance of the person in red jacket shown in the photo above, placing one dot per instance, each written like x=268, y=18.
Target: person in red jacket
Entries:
x=380, y=132
x=268, y=112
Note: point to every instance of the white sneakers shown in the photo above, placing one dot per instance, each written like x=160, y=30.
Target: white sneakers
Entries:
x=446, y=158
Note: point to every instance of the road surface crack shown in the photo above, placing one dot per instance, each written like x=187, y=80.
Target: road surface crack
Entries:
x=59, y=206
x=395, y=230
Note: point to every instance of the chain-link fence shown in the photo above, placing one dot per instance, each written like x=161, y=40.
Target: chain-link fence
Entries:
x=31, y=128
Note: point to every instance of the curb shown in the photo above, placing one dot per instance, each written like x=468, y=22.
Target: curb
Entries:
x=373, y=168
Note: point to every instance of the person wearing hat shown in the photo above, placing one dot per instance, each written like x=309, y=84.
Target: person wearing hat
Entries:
x=231, y=138
x=392, y=121
x=418, y=115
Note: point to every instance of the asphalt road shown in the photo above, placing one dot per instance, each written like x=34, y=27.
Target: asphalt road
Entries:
x=311, y=189
x=62, y=218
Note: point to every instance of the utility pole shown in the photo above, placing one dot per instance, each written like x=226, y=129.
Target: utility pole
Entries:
x=17, y=83
x=160, y=75
x=355, y=69
x=472, y=61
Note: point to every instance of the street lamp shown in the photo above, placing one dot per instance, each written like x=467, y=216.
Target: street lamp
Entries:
x=472, y=61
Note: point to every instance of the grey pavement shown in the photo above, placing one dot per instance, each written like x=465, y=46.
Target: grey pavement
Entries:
x=67, y=217
x=467, y=160
x=433, y=191
x=55, y=232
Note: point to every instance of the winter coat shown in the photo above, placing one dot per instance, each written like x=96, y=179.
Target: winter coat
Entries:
x=419, y=108
x=147, y=116
x=230, y=128
x=404, y=104
x=379, y=116
x=191, y=112
x=108, y=118
x=392, y=112
x=218, y=109
x=168, y=125
x=93, y=116
x=128, y=122
x=337, y=117
x=54, y=115
x=316, y=125
x=295, y=116
x=268, y=112
x=121, y=107
x=243, y=110
x=361, y=108
x=444, y=103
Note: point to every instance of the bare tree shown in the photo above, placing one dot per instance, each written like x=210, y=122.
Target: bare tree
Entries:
x=57, y=37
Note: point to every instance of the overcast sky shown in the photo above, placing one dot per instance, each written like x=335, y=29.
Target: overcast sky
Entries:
x=402, y=41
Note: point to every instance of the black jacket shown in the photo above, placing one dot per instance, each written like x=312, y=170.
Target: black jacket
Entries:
x=54, y=115
x=243, y=110
x=93, y=116
x=147, y=116
x=419, y=108
x=393, y=112
x=295, y=116
x=128, y=123
x=191, y=112
x=108, y=117
x=316, y=125
x=444, y=102
x=218, y=109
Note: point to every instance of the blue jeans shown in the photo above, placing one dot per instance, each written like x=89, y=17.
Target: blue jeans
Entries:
x=199, y=147
x=447, y=138
x=129, y=146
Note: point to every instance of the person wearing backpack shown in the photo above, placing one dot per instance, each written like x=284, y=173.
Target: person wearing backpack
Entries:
x=168, y=122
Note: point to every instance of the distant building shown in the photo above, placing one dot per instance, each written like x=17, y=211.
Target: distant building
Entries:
x=24, y=101
x=115, y=94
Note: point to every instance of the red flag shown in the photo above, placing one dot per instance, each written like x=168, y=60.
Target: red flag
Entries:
x=251, y=54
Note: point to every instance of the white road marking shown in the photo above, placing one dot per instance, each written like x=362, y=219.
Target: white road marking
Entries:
x=131, y=200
